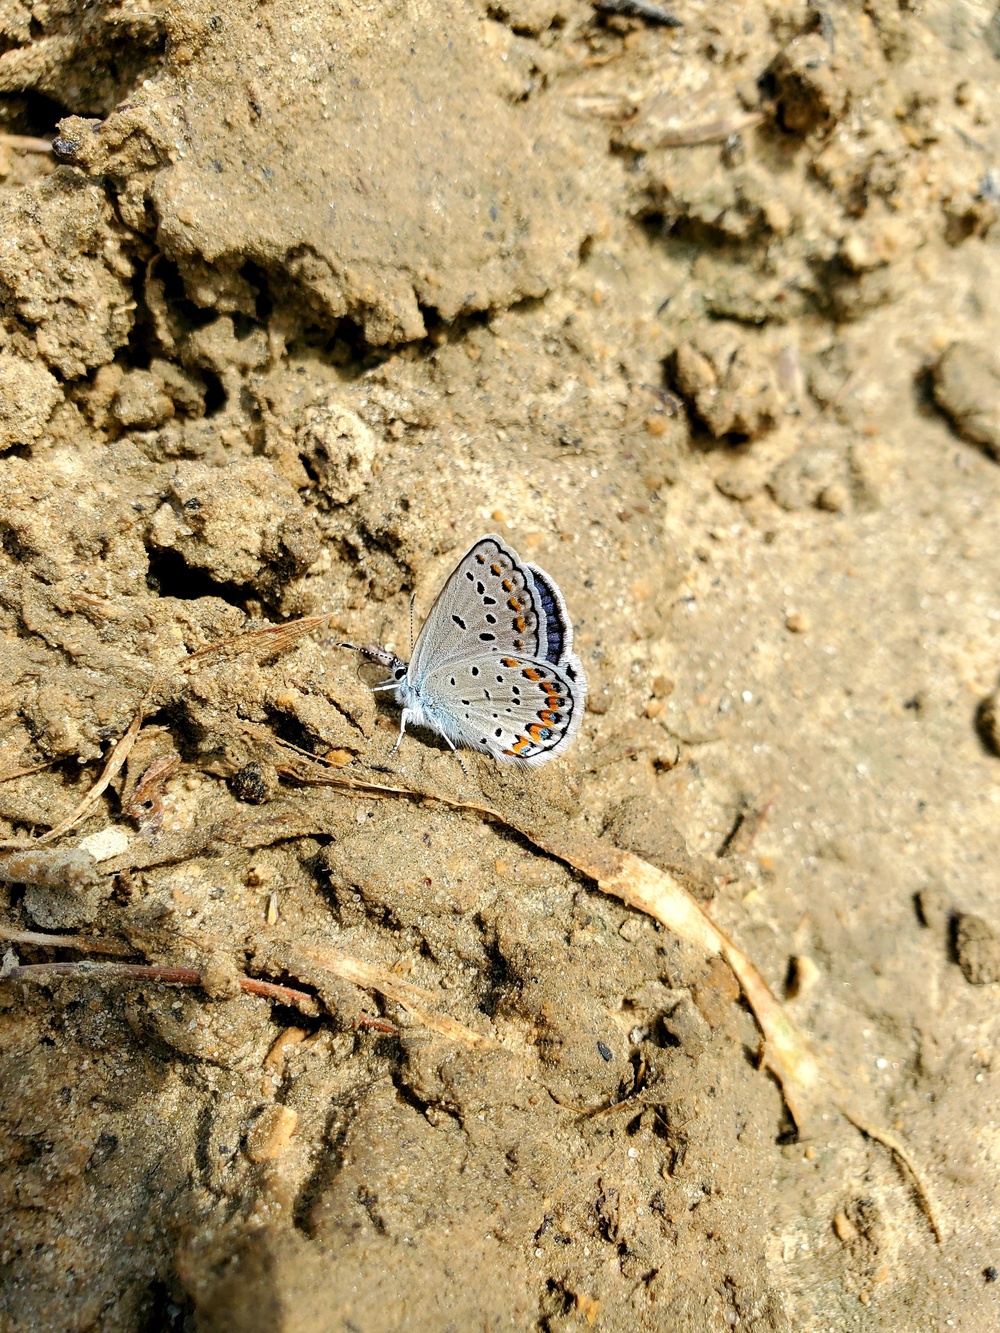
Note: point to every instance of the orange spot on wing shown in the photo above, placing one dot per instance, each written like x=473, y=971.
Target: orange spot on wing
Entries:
x=496, y=569
x=531, y=674
x=508, y=661
x=520, y=624
x=521, y=744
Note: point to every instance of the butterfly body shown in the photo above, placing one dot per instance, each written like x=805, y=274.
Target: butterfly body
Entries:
x=493, y=668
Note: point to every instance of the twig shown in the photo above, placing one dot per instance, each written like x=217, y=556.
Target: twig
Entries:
x=639, y=9
x=23, y=772
x=27, y=143
x=40, y=973
x=272, y=639
x=902, y=1155
x=85, y=943
x=712, y=131
x=112, y=768
x=413, y=998
x=378, y=1025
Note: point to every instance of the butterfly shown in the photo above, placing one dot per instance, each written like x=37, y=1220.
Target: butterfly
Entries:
x=493, y=668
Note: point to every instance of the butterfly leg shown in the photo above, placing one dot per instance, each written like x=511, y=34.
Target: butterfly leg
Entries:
x=455, y=753
x=407, y=714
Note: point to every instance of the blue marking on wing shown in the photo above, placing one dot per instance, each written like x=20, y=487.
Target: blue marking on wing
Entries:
x=555, y=624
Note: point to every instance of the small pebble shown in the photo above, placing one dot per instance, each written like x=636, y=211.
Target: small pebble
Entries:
x=631, y=928
x=254, y=783
x=588, y=1307
x=339, y=758
x=110, y=841
x=977, y=947
x=833, y=498
x=844, y=1227
x=271, y=1133
x=797, y=622
x=802, y=976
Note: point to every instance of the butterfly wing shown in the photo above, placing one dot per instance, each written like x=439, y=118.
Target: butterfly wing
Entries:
x=517, y=708
x=556, y=632
x=490, y=603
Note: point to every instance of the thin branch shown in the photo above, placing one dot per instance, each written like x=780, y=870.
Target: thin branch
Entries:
x=413, y=998
x=112, y=768
x=25, y=143
x=85, y=943
x=42, y=973
x=31, y=768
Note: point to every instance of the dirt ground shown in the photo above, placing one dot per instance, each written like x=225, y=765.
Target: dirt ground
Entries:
x=705, y=319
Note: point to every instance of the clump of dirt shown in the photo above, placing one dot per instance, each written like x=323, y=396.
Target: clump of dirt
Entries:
x=700, y=318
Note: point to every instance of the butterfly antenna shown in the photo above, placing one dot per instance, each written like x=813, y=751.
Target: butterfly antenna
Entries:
x=413, y=598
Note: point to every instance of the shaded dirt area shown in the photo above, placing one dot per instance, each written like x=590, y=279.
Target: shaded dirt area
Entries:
x=703, y=319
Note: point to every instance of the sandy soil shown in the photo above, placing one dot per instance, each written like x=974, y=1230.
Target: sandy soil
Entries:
x=703, y=319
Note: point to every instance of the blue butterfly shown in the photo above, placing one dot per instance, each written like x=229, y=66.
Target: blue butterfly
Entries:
x=493, y=668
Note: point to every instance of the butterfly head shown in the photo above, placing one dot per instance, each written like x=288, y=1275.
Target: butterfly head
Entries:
x=374, y=652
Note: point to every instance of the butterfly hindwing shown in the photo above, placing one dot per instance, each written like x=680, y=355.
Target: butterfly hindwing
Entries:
x=514, y=707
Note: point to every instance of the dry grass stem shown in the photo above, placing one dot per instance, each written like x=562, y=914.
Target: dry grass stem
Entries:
x=25, y=143
x=85, y=943
x=116, y=761
x=268, y=641
x=414, y=999
x=42, y=973
x=25, y=772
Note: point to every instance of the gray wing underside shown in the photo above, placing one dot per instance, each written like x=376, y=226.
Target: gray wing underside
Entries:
x=516, y=708
x=489, y=603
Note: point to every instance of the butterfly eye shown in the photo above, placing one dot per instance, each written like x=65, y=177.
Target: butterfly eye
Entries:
x=399, y=673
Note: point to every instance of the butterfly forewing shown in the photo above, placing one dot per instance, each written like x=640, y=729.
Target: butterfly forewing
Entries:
x=511, y=706
x=489, y=604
